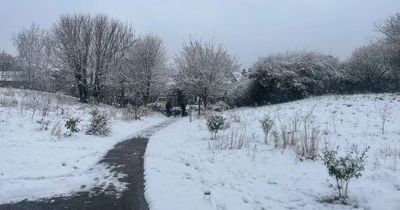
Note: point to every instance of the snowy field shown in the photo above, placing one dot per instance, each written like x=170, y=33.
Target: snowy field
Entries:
x=37, y=160
x=185, y=169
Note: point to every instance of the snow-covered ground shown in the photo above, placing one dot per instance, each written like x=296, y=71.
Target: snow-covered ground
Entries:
x=38, y=163
x=185, y=170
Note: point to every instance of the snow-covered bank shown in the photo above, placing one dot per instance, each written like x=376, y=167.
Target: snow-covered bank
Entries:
x=182, y=172
x=36, y=164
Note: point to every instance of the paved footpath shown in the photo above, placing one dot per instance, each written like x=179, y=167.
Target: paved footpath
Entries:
x=127, y=158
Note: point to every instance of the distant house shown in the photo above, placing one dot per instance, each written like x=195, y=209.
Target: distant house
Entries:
x=16, y=79
x=11, y=74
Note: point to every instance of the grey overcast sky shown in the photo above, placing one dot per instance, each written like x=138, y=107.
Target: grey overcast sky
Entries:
x=247, y=28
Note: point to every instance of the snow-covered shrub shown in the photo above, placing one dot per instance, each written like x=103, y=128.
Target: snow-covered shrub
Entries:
x=239, y=94
x=345, y=168
x=266, y=124
x=293, y=75
x=99, y=123
x=215, y=123
x=72, y=126
x=43, y=124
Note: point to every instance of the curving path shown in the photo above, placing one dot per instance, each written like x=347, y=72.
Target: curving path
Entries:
x=127, y=158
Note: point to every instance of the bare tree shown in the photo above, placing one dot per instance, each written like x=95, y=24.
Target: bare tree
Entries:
x=148, y=59
x=73, y=39
x=111, y=38
x=391, y=31
x=114, y=77
x=204, y=69
x=369, y=65
x=30, y=44
x=384, y=112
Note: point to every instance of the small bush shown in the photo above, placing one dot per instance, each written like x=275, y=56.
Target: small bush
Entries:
x=215, y=123
x=266, y=124
x=343, y=169
x=99, y=123
x=72, y=126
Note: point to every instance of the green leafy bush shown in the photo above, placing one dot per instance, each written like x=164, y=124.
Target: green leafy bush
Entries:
x=215, y=123
x=72, y=126
x=343, y=169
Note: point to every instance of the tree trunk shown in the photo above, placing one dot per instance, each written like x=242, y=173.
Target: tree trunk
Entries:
x=96, y=86
x=198, y=111
x=205, y=100
x=84, y=86
x=147, y=89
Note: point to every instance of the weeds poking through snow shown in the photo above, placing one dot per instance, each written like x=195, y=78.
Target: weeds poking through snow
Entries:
x=389, y=153
x=301, y=133
x=233, y=139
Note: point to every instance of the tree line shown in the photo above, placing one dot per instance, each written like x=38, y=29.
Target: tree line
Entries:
x=282, y=77
x=94, y=57
x=99, y=58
